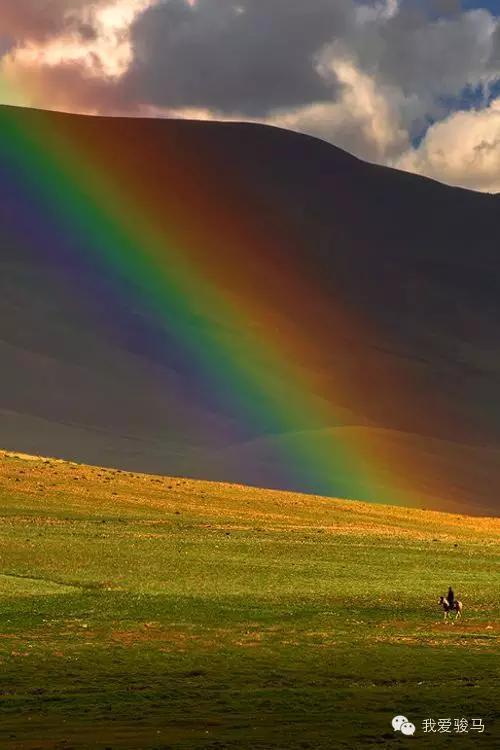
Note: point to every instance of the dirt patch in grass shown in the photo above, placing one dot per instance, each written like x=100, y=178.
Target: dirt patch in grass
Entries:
x=174, y=639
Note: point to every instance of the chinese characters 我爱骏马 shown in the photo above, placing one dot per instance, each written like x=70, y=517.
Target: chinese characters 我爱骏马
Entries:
x=459, y=726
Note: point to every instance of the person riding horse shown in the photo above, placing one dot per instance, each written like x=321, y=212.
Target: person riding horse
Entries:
x=451, y=598
x=450, y=603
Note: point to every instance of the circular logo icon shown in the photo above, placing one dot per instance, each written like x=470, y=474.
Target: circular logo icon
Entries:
x=398, y=721
x=408, y=728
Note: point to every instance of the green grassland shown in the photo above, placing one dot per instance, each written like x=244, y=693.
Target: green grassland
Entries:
x=151, y=612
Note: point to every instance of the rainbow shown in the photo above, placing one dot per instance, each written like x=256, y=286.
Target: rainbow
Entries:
x=186, y=251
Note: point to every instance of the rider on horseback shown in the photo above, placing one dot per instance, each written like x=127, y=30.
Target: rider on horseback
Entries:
x=450, y=604
x=451, y=598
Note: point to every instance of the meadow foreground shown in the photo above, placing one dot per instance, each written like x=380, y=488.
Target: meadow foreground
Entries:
x=151, y=612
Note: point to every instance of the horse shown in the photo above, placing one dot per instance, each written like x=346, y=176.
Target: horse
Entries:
x=456, y=607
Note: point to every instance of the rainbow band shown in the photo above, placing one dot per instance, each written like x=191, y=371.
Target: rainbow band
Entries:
x=158, y=261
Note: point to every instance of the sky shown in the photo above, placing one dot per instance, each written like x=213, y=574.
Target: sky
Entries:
x=413, y=84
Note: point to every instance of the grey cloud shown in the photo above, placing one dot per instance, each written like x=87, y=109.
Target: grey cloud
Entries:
x=495, y=54
x=245, y=56
x=424, y=58
x=254, y=57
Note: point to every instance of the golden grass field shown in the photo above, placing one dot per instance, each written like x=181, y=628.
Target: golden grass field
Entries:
x=156, y=612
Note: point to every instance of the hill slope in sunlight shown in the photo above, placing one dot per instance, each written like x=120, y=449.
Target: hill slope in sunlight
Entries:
x=366, y=298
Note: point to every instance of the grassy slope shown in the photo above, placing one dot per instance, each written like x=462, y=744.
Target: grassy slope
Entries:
x=147, y=612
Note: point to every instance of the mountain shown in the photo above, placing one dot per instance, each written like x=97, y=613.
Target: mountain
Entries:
x=236, y=302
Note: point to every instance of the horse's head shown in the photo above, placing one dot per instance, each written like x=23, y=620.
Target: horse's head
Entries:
x=441, y=600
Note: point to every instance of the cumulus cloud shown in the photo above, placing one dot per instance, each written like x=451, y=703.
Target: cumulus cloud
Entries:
x=396, y=69
x=245, y=57
x=78, y=65
x=367, y=76
x=363, y=119
x=463, y=149
x=427, y=59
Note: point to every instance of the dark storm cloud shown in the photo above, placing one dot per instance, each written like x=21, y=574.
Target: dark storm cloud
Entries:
x=246, y=56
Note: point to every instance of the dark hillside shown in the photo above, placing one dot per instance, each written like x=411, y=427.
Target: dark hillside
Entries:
x=379, y=291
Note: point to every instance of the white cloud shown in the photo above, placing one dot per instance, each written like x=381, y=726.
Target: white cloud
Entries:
x=381, y=105
x=107, y=50
x=463, y=149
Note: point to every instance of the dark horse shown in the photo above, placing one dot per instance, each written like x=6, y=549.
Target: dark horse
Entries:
x=456, y=606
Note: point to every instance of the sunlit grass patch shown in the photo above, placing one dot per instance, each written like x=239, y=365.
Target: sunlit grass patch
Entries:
x=157, y=612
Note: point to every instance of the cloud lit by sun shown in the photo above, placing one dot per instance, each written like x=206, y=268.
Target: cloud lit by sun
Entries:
x=106, y=51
